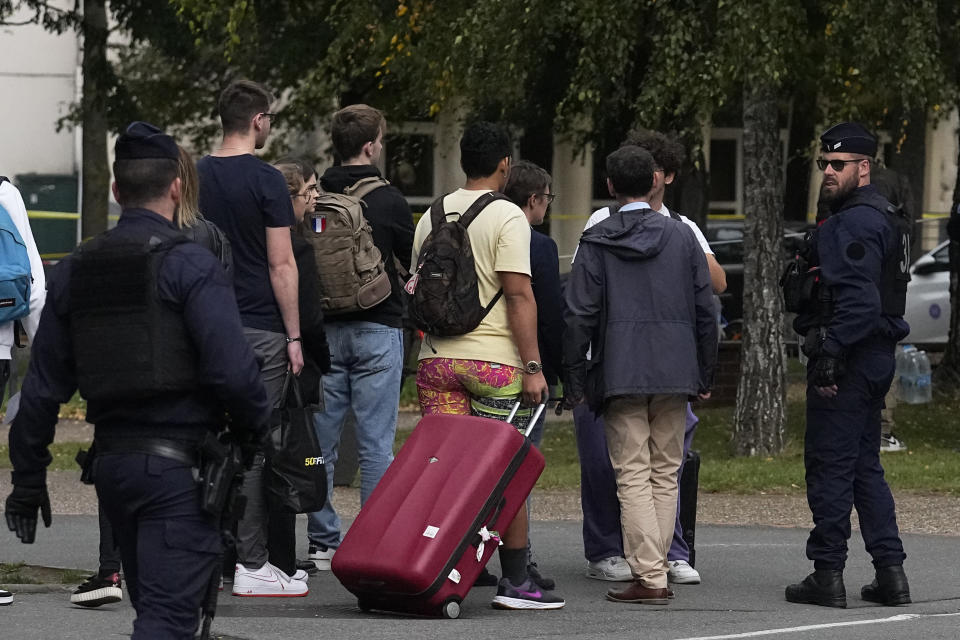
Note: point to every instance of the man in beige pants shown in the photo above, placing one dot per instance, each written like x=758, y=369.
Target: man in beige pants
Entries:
x=640, y=297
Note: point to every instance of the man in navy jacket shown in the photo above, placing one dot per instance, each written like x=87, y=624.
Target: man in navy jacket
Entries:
x=639, y=295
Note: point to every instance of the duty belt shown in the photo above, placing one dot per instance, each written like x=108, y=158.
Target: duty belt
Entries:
x=184, y=452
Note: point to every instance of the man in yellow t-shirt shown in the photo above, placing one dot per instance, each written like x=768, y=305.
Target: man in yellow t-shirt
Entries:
x=485, y=371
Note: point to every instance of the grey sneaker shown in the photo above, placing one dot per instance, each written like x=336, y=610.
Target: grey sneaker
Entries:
x=320, y=556
x=614, y=569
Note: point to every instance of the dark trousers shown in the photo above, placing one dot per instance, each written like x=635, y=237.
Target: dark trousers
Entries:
x=842, y=460
x=169, y=547
x=109, y=549
x=602, y=535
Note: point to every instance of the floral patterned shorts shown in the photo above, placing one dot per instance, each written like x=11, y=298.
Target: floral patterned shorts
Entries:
x=470, y=387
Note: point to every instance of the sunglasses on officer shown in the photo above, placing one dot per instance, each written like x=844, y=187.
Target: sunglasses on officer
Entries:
x=836, y=165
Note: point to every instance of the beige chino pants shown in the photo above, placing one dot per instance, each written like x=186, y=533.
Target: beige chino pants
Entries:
x=645, y=439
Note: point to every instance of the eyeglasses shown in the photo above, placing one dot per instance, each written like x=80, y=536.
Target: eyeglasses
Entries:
x=836, y=165
x=549, y=196
x=272, y=116
x=305, y=195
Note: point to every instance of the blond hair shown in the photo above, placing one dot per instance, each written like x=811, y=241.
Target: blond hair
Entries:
x=188, y=211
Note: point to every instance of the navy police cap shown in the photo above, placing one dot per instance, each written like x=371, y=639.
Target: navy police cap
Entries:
x=848, y=137
x=143, y=140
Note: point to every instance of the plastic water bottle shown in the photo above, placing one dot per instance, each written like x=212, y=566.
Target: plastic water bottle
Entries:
x=906, y=373
x=924, y=388
x=902, y=380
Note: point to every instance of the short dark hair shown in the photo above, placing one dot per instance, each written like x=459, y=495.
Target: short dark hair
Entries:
x=630, y=169
x=144, y=179
x=240, y=102
x=666, y=151
x=354, y=126
x=482, y=147
x=526, y=179
x=306, y=167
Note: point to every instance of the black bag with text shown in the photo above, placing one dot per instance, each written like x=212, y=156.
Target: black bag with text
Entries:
x=296, y=476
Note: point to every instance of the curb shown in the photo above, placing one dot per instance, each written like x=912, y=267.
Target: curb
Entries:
x=38, y=588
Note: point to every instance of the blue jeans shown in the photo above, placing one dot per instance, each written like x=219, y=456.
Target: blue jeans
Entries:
x=366, y=364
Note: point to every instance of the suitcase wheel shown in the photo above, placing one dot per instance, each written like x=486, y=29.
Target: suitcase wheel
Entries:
x=364, y=605
x=451, y=609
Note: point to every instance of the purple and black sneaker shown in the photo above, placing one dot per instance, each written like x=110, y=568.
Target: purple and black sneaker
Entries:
x=527, y=595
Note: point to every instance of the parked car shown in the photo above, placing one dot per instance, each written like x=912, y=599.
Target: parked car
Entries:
x=726, y=240
x=928, y=297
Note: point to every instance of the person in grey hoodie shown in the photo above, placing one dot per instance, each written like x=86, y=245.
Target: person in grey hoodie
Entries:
x=640, y=298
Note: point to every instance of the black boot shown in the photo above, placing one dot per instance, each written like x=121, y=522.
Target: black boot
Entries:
x=890, y=587
x=823, y=587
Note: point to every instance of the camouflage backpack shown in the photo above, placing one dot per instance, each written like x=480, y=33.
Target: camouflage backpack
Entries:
x=445, y=293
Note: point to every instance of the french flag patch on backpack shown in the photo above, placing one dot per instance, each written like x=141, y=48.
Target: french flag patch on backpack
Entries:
x=319, y=223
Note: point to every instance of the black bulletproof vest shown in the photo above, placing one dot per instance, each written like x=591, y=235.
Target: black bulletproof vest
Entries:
x=896, y=264
x=127, y=342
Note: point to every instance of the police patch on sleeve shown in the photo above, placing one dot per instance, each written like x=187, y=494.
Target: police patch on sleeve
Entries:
x=856, y=251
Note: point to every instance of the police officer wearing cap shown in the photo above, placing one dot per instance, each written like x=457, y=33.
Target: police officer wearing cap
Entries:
x=145, y=324
x=853, y=281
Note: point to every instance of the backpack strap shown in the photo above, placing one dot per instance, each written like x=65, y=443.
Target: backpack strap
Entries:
x=612, y=209
x=437, y=214
x=479, y=205
x=361, y=188
x=674, y=215
x=469, y=216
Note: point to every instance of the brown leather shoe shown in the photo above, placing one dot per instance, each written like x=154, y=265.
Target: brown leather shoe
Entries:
x=638, y=594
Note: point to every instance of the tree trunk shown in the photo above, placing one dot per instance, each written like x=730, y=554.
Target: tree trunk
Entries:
x=947, y=374
x=910, y=161
x=96, y=173
x=761, y=394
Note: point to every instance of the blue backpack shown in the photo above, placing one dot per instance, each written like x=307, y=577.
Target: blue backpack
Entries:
x=15, y=276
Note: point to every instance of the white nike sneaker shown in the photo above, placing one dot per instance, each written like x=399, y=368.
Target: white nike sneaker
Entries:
x=680, y=572
x=267, y=581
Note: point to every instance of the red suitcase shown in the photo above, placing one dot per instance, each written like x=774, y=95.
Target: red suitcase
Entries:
x=432, y=522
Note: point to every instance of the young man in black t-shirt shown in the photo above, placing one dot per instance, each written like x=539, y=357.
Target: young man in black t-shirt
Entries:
x=248, y=199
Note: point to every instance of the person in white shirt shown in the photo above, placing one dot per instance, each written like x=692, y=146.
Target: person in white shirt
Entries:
x=12, y=202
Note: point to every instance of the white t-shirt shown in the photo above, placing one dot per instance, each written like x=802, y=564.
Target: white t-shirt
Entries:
x=500, y=240
x=602, y=214
x=11, y=200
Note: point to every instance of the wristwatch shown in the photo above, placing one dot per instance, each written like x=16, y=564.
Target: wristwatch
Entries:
x=532, y=367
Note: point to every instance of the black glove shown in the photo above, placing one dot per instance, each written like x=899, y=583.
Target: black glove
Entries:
x=827, y=371
x=573, y=390
x=21, y=511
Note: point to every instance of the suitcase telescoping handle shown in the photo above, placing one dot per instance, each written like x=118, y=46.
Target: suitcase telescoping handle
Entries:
x=533, y=419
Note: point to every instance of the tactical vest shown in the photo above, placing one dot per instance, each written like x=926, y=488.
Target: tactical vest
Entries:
x=804, y=290
x=896, y=264
x=127, y=342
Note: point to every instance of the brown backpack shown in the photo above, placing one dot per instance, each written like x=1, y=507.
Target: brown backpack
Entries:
x=349, y=265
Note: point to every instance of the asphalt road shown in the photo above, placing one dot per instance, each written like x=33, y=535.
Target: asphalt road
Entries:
x=744, y=568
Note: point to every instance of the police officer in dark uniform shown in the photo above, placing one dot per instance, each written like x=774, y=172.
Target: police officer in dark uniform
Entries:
x=849, y=293
x=145, y=324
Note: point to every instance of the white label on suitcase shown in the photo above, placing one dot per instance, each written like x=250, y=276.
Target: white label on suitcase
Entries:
x=455, y=576
x=431, y=532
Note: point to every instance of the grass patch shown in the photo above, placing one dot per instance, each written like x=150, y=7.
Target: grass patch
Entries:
x=932, y=464
x=63, y=456
x=21, y=573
